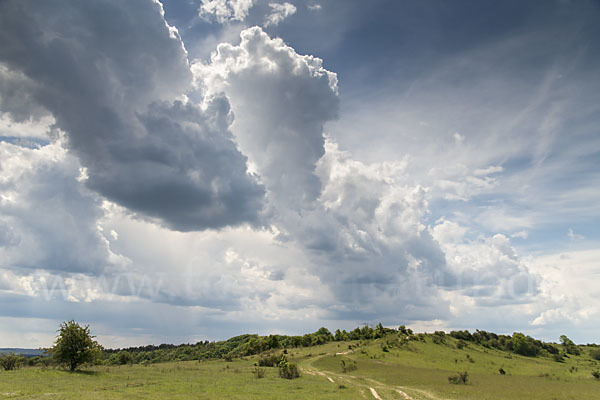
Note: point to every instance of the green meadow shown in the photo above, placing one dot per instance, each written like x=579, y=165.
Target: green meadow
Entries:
x=391, y=367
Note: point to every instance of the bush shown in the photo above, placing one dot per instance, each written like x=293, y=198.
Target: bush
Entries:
x=11, y=361
x=349, y=365
x=595, y=354
x=502, y=371
x=569, y=346
x=124, y=357
x=272, y=360
x=460, y=378
x=524, y=345
x=596, y=374
x=288, y=370
x=439, y=337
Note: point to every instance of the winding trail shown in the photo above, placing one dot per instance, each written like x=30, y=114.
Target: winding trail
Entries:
x=364, y=383
x=374, y=393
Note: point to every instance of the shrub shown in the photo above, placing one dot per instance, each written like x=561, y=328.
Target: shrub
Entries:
x=596, y=374
x=502, y=371
x=439, y=337
x=524, y=345
x=569, y=346
x=124, y=357
x=460, y=378
x=288, y=370
x=349, y=365
x=271, y=360
x=595, y=354
x=11, y=361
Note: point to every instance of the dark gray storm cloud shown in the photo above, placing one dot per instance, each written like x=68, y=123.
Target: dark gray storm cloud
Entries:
x=113, y=75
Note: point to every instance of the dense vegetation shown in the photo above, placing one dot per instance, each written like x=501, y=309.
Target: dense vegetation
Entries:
x=251, y=344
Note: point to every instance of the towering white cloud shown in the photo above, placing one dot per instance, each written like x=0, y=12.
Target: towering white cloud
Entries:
x=280, y=100
x=113, y=75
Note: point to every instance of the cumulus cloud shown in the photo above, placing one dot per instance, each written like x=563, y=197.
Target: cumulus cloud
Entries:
x=144, y=144
x=488, y=269
x=281, y=101
x=362, y=225
x=225, y=10
x=279, y=12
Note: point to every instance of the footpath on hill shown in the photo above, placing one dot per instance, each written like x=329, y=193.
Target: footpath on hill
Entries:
x=369, y=388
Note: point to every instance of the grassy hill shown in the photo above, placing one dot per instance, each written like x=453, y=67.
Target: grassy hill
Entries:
x=395, y=365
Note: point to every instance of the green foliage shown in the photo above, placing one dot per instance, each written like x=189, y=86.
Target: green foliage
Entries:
x=271, y=360
x=74, y=345
x=460, y=378
x=124, y=357
x=11, y=361
x=524, y=345
x=288, y=370
x=439, y=337
x=405, y=331
x=569, y=346
x=348, y=365
x=240, y=346
x=595, y=354
x=596, y=374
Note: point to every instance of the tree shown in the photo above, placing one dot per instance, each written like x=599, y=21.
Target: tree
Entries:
x=75, y=345
x=569, y=346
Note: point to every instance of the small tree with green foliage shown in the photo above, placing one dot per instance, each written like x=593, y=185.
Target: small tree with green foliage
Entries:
x=75, y=345
x=288, y=370
x=569, y=346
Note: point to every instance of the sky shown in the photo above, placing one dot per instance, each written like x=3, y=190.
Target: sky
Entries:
x=197, y=169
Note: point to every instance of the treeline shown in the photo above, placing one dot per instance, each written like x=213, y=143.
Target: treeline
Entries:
x=517, y=343
x=240, y=346
x=250, y=344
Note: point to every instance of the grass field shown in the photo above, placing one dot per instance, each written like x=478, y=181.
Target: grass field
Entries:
x=415, y=370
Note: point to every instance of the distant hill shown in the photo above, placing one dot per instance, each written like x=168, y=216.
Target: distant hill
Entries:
x=23, y=352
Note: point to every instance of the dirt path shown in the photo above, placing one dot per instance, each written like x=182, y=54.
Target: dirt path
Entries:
x=375, y=394
x=364, y=383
